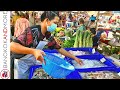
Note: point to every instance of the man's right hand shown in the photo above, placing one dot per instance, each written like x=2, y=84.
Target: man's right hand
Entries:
x=39, y=55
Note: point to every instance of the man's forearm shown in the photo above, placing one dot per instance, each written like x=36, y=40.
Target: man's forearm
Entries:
x=19, y=49
x=65, y=53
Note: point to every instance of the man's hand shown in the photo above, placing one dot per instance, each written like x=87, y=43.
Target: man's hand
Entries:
x=39, y=55
x=78, y=61
x=67, y=54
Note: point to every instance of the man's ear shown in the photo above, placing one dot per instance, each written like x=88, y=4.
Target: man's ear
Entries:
x=47, y=21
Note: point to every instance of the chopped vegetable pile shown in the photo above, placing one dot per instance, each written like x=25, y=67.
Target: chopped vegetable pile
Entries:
x=40, y=74
x=100, y=75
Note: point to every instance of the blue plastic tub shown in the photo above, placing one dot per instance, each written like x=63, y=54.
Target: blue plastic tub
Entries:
x=57, y=67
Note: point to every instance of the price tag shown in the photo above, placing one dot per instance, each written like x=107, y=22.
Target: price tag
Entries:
x=103, y=60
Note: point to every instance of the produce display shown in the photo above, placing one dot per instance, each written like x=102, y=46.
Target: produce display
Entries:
x=69, y=32
x=40, y=74
x=116, y=56
x=83, y=39
x=59, y=29
x=100, y=75
x=108, y=51
x=68, y=43
x=88, y=64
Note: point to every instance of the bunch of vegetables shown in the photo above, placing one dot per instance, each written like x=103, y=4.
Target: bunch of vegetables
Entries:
x=83, y=39
x=59, y=29
x=107, y=50
x=40, y=74
x=69, y=32
x=100, y=75
x=68, y=43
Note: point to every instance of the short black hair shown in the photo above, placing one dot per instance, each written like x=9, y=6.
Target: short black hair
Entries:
x=93, y=30
x=92, y=20
x=48, y=14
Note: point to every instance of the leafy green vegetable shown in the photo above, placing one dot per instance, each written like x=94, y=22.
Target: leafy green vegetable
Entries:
x=81, y=39
x=68, y=43
x=68, y=33
x=91, y=41
x=76, y=44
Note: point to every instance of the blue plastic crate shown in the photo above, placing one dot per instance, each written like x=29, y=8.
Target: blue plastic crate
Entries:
x=32, y=70
x=95, y=56
x=87, y=49
x=75, y=74
x=110, y=66
x=117, y=69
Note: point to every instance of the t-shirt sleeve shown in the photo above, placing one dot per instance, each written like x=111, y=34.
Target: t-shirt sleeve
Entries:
x=52, y=44
x=25, y=39
x=81, y=28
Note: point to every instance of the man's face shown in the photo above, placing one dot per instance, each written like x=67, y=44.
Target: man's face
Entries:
x=54, y=21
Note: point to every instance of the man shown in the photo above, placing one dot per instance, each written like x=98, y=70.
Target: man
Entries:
x=30, y=42
x=82, y=26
